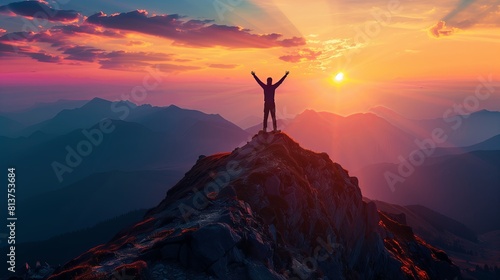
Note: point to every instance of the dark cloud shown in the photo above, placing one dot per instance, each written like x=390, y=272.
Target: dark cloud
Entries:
x=16, y=36
x=304, y=54
x=145, y=56
x=192, y=33
x=12, y=50
x=91, y=29
x=40, y=10
x=7, y=49
x=19, y=44
x=82, y=53
x=59, y=36
x=223, y=66
x=440, y=29
x=44, y=57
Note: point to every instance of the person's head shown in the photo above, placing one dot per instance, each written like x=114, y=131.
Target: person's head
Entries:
x=269, y=81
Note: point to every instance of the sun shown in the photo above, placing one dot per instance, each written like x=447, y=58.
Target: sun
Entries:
x=339, y=77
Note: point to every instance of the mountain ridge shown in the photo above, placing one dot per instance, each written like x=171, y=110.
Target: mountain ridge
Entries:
x=269, y=210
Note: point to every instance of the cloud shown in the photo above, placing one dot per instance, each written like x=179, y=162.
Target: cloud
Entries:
x=82, y=53
x=192, y=33
x=74, y=29
x=45, y=57
x=133, y=61
x=440, y=29
x=21, y=44
x=40, y=10
x=11, y=49
x=7, y=49
x=301, y=55
x=468, y=14
x=175, y=68
x=61, y=36
x=223, y=66
x=135, y=43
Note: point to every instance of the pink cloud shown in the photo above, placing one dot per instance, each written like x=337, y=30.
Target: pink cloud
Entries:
x=301, y=55
x=192, y=33
x=440, y=29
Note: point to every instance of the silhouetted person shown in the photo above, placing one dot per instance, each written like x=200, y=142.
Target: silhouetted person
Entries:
x=269, y=105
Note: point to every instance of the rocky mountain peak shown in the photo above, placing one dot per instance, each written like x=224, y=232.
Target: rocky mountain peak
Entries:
x=268, y=210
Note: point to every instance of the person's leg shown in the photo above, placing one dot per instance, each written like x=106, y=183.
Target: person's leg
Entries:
x=266, y=115
x=273, y=115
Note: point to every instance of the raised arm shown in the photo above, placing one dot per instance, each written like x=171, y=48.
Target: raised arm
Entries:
x=282, y=79
x=257, y=79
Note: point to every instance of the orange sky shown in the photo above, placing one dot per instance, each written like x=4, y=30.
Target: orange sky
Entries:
x=382, y=47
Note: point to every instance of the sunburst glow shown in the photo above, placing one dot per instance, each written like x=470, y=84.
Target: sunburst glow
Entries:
x=339, y=77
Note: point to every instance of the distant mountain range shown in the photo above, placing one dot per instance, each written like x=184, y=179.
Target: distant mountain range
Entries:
x=465, y=187
x=149, y=138
x=492, y=144
x=460, y=130
x=165, y=141
x=41, y=112
x=68, y=163
x=431, y=225
x=96, y=198
x=462, y=244
x=354, y=141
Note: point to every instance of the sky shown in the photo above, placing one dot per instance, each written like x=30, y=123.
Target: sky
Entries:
x=416, y=57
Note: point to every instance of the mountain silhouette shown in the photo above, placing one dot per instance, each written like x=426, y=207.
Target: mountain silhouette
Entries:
x=463, y=187
x=461, y=130
x=87, y=202
x=428, y=223
x=42, y=111
x=268, y=210
x=9, y=127
x=85, y=116
x=182, y=136
x=492, y=144
x=354, y=141
x=170, y=139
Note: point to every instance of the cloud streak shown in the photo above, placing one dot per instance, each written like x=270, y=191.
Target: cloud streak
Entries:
x=301, y=55
x=192, y=33
x=223, y=66
x=39, y=10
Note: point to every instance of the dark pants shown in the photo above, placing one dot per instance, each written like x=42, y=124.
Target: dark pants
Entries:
x=269, y=107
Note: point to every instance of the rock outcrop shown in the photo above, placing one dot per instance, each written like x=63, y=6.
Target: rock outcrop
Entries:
x=267, y=210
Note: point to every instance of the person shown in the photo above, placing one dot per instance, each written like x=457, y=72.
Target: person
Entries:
x=269, y=105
